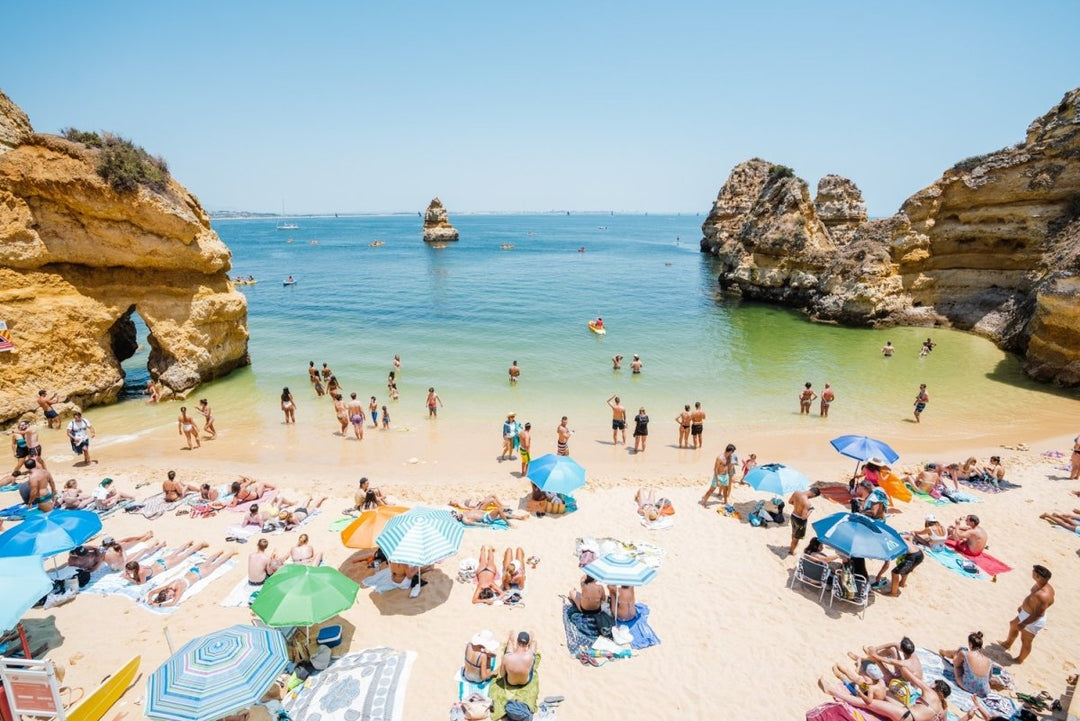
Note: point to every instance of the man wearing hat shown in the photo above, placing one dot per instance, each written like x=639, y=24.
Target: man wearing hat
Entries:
x=480, y=655
x=519, y=660
x=509, y=433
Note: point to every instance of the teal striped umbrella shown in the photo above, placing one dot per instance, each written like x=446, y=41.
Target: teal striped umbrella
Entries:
x=216, y=675
x=617, y=569
x=420, y=537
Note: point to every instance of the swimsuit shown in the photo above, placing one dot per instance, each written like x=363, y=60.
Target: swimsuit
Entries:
x=50, y=414
x=618, y=425
x=1032, y=628
x=919, y=407
x=641, y=427
x=477, y=665
x=44, y=499
x=798, y=527
x=357, y=419
x=194, y=570
x=911, y=560
x=188, y=428
x=525, y=457
x=720, y=479
x=977, y=685
x=695, y=429
x=562, y=448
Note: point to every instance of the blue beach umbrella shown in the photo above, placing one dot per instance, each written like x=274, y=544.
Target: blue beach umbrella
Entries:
x=216, y=675
x=860, y=536
x=556, y=474
x=776, y=478
x=863, y=448
x=617, y=569
x=24, y=582
x=420, y=537
x=49, y=534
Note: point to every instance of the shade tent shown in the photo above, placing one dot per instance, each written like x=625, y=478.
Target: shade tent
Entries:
x=216, y=675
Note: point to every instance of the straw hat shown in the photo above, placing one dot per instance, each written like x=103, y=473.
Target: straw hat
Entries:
x=486, y=640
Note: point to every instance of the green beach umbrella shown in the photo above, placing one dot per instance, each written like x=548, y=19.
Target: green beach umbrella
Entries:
x=298, y=595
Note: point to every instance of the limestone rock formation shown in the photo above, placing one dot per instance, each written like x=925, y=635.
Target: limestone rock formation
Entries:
x=437, y=228
x=14, y=125
x=990, y=247
x=78, y=259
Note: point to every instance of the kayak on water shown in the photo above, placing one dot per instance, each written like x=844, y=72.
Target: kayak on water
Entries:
x=598, y=329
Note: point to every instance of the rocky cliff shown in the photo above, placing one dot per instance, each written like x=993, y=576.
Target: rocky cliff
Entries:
x=990, y=247
x=78, y=259
x=437, y=228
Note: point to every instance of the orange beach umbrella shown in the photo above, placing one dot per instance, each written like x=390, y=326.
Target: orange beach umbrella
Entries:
x=362, y=532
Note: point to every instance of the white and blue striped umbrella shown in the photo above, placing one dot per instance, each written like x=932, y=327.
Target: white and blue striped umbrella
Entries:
x=617, y=569
x=421, y=536
x=216, y=675
x=777, y=478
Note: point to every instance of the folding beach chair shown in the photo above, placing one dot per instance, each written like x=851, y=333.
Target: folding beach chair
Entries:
x=862, y=593
x=811, y=573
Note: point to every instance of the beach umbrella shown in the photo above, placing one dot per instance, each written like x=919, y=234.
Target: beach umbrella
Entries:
x=362, y=532
x=863, y=448
x=420, y=537
x=776, y=478
x=556, y=474
x=619, y=569
x=24, y=582
x=216, y=675
x=860, y=536
x=49, y=534
x=298, y=595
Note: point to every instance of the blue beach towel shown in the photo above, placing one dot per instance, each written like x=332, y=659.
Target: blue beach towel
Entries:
x=952, y=560
x=9, y=487
x=641, y=632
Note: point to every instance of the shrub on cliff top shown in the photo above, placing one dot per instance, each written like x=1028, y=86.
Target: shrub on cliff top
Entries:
x=122, y=164
x=779, y=172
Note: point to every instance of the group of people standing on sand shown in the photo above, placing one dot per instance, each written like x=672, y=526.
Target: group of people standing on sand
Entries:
x=187, y=427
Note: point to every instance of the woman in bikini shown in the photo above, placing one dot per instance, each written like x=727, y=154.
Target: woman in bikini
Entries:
x=971, y=666
x=139, y=574
x=932, y=534
x=513, y=578
x=683, y=419
x=480, y=654
x=288, y=405
x=71, y=498
x=621, y=603
x=487, y=590
x=931, y=706
x=590, y=599
x=208, y=415
x=1074, y=469
x=172, y=593
x=185, y=424
x=806, y=397
x=248, y=489
x=303, y=553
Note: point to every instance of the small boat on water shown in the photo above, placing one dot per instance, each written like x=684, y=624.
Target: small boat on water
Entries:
x=376, y=244
x=289, y=281
x=507, y=246
x=314, y=242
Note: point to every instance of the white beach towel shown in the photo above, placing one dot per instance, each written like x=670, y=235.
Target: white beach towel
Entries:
x=369, y=685
x=381, y=582
x=194, y=590
x=240, y=595
x=659, y=524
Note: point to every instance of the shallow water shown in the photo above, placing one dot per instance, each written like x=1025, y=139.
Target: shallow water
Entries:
x=459, y=315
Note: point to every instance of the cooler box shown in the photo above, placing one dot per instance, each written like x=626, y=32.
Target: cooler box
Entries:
x=329, y=636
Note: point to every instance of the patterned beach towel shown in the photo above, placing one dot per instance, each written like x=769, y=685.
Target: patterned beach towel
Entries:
x=156, y=506
x=368, y=685
x=246, y=505
x=935, y=667
x=988, y=487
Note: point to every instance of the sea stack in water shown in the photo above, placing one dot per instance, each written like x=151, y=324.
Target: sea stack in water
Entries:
x=78, y=258
x=437, y=228
x=993, y=246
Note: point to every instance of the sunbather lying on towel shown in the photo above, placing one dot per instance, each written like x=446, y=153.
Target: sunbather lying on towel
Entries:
x=931, y=706
x=487, y=590
x=513, y=578
x=115, y=554
x=248, y=489
x=139, y=574
x=519, y=659
x=648, y=505
x=172, y=593
x=487, y=503
x=72, y=498
x=293, y=518
x=1070, y=521
x=476, y=517
x=970, y=538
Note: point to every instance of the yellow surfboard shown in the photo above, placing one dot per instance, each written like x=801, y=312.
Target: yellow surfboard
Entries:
x=97, y=704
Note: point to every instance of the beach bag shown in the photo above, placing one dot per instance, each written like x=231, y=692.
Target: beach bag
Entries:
x=621, y=635
x=846, y=578
x=467, y=570
x=665, y=506
x=604, y=624
x=518, y=711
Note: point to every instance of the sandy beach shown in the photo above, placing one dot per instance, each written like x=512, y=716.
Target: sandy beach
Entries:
x=735, y=638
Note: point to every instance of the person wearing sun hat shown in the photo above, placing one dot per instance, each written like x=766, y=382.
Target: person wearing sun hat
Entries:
x=509, y=436
x=932, y=534
x=480, y=654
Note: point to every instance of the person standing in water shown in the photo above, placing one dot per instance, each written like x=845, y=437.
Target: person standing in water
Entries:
x=355, y=408
x=208, y=418
x=373, y=411
x=433, y=403
x=921, y=399
x=827, y=397
x=635, y=365
x=313, y=372
x=616, y=362
x=342, y=413
x=697, y=424
x=514, y=372
x=806, y=397
x=618, y=419
x=288, y=405
x=562, y=444
x=887, y=349
x=683, y=420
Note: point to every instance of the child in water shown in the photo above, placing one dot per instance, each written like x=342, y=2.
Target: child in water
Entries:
x=385, y=418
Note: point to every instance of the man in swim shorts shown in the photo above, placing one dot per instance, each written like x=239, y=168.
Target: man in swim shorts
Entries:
x=355, y=410
x=921, y=399
x=800, y=514
x=42, y=487
x=80, y=432
x=524, y=444
x=45, y=401
x=723, y=475
x=562, y=445
x=1031, y=615
x=514, y=372
x=618, y=419
x=697, y=424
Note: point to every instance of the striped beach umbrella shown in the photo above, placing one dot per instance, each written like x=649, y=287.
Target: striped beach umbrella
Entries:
x=216, y=675
x=298, y=595
x=777, y=478
x=617, y=569
x=556, y=474
x=421, y=537
x=49, y=534
x=362, y=532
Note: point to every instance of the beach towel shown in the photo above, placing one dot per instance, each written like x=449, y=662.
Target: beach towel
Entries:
x=836, y=492
x=987, y=487
x=952, y=560
x=581, y=629
x=241, y=595
x=104, y=513
x=467, y=688
x=17, y=512
x=659, y=524
x=501, y=692
x=104, y=582
x=9, y=487
x=840, y=711
x=246, y=505
x=641, y=633
x=156, y=506
x=984, y=560
x=339, y=525
x=954, y=497
x=243, y=532
x=368, y=685
x=935, y=667
x=280, y=529
x=381, y=581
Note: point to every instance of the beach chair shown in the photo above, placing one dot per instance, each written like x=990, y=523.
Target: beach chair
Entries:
x=862, y=593
x=811, y=573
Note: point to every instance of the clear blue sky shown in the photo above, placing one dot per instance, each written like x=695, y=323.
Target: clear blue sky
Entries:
x=378, y=106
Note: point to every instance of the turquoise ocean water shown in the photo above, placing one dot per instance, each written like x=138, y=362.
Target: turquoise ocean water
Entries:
x=459, y=315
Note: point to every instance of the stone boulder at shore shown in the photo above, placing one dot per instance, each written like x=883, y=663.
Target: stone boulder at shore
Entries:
x=437, y=228
x=990, y=247
x=78, y=259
